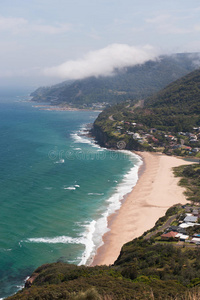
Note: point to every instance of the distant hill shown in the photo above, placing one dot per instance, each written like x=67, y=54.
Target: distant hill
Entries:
x=133, y=83
x=175, y=110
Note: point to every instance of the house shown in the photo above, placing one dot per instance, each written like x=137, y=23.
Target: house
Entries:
x=195, y=241
x=193, y=141
x=190, y=219
x=192, y=136
x=186, y=225
x=136, y=136
x=196, y=212
x=177, y=229
x=130, y=132
x=196, y=235
x=187, y=148
x=169, y=235
x=154, y=139
x=182, y=237
x=196, y=150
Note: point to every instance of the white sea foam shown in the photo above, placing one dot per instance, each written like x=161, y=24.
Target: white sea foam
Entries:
x=97, y=228
x=56, y=240
x=95, y=194
x=72, y=261
x=26, y=278
x=81, y=138
x=71, y=188
x=20, y=287
x=60, y=161
x=89, y=242
x=86, y=239
x=5, y=250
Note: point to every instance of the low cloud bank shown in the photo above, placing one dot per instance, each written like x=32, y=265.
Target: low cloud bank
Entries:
x=103, y=62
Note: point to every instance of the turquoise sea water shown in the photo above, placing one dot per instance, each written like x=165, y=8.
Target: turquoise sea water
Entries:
x=57, y=188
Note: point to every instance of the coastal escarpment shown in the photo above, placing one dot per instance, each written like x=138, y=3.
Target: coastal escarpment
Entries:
x=106, y=136
x=102, y=138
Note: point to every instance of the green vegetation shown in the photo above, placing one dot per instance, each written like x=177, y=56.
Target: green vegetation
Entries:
x=175, y=108
x=145, y=269
x=132, y=83
x=191, y=180
x=168, y=122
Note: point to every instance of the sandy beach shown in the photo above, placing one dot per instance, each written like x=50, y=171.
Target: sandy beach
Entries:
x=156, y=190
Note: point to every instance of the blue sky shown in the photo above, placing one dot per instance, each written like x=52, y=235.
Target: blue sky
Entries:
x=47, y=41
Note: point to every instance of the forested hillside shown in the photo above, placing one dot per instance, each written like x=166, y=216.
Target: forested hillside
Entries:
x=176, y=107
x=168, y=121
x=132, y=83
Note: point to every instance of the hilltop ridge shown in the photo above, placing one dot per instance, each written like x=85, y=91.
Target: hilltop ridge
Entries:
x=133, y=83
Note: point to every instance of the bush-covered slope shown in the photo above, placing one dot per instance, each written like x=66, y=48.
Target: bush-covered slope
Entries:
x=190, y=180
x=177, y=106
x=143, y=269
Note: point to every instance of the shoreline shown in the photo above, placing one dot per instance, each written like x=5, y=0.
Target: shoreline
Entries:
x=63, y=108
x=155, y=191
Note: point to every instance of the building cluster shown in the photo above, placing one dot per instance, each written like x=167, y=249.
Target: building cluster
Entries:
x=184, y=142
x=180, y=232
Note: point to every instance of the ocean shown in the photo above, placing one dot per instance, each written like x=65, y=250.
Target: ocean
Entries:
x=57, y=188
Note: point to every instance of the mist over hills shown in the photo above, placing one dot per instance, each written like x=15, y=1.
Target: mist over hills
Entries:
x=173, y=110
x=134, y=83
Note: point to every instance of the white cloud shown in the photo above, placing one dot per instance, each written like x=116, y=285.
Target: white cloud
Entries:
x=49, y=29
x=166, y=24
x=94, y=35
x=103, y=62
x=21, y=25
x=12, y=24
x=197, y=28
x=158, y=19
